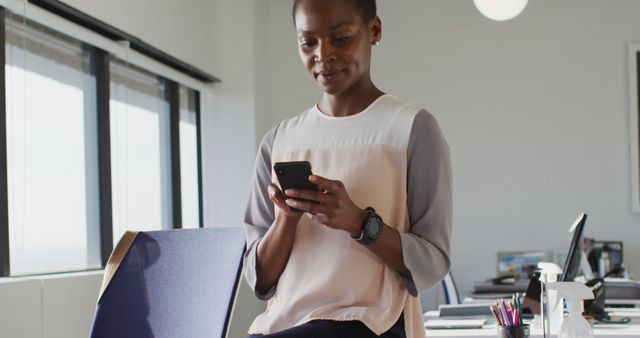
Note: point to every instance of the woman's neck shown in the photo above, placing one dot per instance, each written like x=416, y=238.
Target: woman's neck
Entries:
x=349, y=103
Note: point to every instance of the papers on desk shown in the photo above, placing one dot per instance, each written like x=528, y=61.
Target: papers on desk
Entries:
x=623, y=312
x=470, y=309
x=613, y=280
x=454, y=323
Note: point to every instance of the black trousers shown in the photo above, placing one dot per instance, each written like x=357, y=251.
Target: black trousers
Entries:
x=336, y=329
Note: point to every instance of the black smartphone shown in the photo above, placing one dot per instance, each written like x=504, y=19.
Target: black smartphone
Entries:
x=294, y=175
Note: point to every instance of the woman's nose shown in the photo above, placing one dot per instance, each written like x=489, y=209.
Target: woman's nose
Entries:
x=324, y=53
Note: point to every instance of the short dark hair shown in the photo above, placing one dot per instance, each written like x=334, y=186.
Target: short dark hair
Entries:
x=367, y=9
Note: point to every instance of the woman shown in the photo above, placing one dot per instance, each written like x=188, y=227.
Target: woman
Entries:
x=377, y=231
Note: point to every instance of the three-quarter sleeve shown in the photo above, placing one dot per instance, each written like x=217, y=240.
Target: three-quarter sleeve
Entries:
x=426, y=247
x=259, y=214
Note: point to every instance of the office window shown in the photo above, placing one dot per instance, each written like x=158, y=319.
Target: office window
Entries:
x=89, y=140
x=189, y=158
x=51, y=151
x=140, y=150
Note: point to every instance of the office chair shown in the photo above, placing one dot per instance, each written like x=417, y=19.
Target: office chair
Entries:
x=444, y=293
x=451, y=295
x=170, y=283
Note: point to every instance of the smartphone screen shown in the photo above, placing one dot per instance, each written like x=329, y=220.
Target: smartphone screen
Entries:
x=294, y=175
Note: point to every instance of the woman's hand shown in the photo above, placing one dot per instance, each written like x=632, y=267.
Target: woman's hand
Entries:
x=277, y=197
x=330, y=205
x=333, y=207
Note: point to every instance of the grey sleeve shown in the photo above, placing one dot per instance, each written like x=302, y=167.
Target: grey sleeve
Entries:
x=259, y=214
x=426, y=247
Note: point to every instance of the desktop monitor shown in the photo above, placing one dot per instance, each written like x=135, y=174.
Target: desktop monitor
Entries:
x=531, y=301
x=572, y=263
x=595, y=250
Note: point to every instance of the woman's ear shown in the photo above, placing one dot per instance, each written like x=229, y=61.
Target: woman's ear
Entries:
x=375, y=30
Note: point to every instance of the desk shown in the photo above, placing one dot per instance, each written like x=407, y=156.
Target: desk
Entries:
x=599, y=331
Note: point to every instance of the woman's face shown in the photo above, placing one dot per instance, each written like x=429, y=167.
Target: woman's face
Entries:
x=334, y=43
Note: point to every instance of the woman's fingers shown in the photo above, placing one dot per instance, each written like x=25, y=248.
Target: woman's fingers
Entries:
x=330, y=205
x=306, y=206
x=310, y=195
x=275, y=194
x=277, y=197
x=328, y=191
x=326, y=185
x=278, y=202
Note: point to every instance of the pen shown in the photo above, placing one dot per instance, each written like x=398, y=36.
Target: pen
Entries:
x=507, y=322
x=495, y=315
x=498, y=309
x=507, y=312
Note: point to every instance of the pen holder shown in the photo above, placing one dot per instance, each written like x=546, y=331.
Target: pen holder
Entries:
x=521, y=331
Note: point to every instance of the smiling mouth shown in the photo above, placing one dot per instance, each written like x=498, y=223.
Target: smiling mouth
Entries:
x=328, y=76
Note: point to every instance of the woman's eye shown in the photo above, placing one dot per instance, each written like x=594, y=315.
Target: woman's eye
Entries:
x=307, y=44
x=342, y=39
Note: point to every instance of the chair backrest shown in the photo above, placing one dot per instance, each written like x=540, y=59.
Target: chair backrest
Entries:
x=172, y=283
x=450, y=289
x=445, y=292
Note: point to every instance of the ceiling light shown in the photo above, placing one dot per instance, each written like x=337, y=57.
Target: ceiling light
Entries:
x=500, y=10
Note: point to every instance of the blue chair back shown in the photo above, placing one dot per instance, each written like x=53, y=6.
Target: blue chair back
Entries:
x=173, y=283
x=450, y=289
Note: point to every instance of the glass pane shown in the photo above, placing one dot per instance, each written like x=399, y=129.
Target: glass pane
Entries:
x=51, y=150
x=189, y=158
x=140, y=150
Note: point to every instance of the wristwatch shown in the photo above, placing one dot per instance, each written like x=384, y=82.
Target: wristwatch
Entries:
x=372, y=227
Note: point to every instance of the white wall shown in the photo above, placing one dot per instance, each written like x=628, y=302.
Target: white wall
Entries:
x=49, y=306
x=184, y=29
x=535, y=111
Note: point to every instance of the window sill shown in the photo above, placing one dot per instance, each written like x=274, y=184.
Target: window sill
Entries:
x=48, y=276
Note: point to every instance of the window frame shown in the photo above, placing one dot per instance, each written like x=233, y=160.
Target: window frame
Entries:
x=173, y=94
x=634, y=123
x=4, y=188
x=100, y=62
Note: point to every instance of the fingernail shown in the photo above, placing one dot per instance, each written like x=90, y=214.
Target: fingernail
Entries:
x=290, y=202
x=291, y=192
x=312, y=178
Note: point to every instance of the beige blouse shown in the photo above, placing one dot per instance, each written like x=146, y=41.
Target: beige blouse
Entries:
x=391, y=156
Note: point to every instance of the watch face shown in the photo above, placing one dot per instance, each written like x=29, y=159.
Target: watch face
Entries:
x=374, y=226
